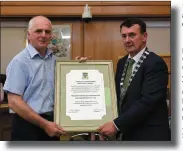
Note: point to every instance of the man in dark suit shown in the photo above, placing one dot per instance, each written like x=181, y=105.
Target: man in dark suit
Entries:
x=141, y=85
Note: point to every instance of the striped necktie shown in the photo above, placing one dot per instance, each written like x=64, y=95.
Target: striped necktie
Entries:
x=128, y=72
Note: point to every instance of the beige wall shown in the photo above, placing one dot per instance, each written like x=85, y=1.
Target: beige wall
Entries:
x=13, y=41
x=159, y=40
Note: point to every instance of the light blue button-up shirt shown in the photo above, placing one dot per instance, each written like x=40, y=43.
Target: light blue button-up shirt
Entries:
x=31, y=76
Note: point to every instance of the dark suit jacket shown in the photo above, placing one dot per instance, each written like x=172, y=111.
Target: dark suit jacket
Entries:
x=144, y=113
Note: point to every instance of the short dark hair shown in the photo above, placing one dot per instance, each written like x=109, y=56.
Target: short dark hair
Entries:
x=132, y=21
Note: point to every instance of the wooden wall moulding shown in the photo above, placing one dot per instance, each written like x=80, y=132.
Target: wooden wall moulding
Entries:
x=100, y=8
x=167, y=59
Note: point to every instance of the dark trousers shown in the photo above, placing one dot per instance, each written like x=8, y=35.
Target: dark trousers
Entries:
x=23, y=130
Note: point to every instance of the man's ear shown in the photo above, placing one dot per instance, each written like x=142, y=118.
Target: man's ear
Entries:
x=145, y=37
x=28, y=35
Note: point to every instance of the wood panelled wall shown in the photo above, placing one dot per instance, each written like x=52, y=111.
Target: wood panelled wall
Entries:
x=100, y=8
x=99, y=38
x=102, y=40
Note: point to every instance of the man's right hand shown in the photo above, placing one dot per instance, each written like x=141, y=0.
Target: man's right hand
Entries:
x=52, y=129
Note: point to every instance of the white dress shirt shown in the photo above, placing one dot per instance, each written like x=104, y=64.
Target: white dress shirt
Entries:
x=137, y=57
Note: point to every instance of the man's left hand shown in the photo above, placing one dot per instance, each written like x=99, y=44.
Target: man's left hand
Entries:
x=108, y=129
x=82, y=59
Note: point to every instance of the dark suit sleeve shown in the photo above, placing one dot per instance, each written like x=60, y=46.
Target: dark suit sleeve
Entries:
x=153, y=91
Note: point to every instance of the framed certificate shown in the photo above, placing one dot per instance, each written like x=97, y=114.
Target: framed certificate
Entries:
x=85, y=95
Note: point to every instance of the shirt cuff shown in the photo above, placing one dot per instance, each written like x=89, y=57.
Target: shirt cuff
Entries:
x=116, y=126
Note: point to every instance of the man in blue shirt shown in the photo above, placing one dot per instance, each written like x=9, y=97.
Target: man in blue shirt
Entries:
x=30, y=86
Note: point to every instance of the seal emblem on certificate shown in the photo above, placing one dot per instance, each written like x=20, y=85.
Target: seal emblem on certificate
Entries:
x=85, y=96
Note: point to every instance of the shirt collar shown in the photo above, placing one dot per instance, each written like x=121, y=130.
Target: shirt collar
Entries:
x=138, y=55
x=33, y=52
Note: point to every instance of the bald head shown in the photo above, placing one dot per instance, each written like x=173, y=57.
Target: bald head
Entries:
x=40, y=33
x=36, y=20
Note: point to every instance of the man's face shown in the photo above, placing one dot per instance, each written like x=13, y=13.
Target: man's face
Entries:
x=133, y=39
x=40, y=34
